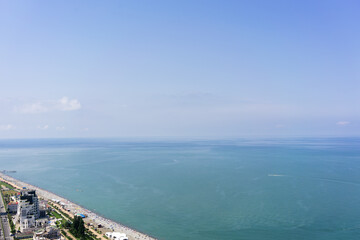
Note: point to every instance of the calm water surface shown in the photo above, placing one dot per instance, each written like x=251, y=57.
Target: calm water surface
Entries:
x=238, y=189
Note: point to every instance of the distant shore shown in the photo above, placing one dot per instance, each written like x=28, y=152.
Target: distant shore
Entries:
x=75, y=209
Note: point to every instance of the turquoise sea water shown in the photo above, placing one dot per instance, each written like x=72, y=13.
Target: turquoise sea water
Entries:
x=235, y=189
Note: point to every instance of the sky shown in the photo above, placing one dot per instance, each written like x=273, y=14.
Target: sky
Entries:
x=198, y=68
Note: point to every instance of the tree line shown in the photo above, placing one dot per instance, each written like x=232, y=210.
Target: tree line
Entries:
x=77, y=227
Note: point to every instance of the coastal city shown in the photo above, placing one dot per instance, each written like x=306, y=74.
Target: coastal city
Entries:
x=180, y=120
x=28, y=212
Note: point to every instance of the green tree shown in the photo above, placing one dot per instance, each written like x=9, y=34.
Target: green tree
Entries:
x=77, y=227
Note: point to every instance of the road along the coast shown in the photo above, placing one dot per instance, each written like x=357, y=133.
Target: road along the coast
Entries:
x=4, y=225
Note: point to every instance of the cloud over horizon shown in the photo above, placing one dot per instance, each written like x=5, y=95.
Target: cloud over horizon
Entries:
x=62, y=104
x=7, y=127
x=60, y=128
x=45, y=127
x=66, y=104
x=343, y=123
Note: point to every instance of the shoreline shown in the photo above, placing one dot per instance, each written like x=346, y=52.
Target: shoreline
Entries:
x=77, y=208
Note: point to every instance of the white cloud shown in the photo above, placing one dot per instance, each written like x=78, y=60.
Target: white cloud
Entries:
x=343, y=123
x=66, y=104
x=45, y=127
x=63, y=104
x=7, y=127
x=60, y=128
x=37, y=107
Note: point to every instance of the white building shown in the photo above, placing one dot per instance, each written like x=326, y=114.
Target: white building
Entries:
x=28, y=212
x=116, y=236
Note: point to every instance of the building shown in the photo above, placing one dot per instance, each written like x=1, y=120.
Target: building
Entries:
x=43, y=205
x=12, y=207
x=116, y=236
x=28, y=212
x=28, y=203
x=47, y=233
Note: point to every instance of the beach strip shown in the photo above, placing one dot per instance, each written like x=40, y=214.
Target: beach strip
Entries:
x=76, y=209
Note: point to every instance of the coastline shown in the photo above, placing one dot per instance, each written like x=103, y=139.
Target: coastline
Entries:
x=76, y=208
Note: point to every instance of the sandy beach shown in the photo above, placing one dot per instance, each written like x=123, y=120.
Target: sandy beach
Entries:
x=74, y=209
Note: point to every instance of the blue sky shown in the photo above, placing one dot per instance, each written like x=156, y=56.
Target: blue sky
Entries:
x=179, y=68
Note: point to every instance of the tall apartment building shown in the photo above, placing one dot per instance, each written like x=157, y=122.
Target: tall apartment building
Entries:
x=28, y=209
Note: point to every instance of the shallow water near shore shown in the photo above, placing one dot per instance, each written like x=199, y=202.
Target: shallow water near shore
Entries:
x=234, y=189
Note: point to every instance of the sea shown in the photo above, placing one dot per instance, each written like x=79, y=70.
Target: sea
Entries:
x=251, y=189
